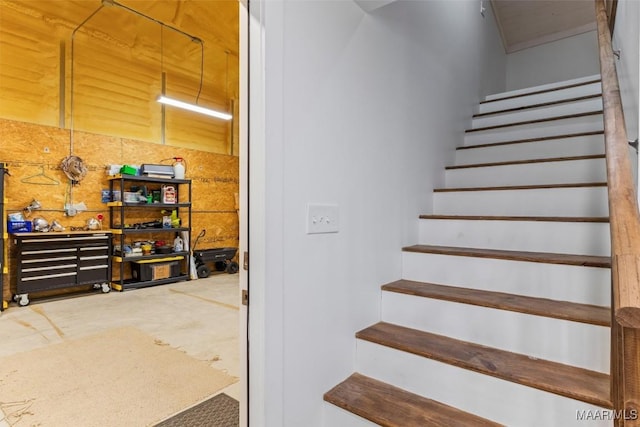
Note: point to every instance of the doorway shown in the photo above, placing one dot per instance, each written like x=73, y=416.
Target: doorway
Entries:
x=35, y=120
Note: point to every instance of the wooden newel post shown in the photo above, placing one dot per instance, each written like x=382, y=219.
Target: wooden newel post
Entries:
x=631, y=372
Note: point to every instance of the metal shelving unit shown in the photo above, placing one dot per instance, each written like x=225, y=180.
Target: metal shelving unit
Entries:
x=118, y=213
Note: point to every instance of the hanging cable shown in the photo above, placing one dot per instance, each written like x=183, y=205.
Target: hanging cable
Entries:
x=69, y=193
x=162, y=50
x=201, y=70
x=177, y=30
x=73, y=35
x=226, y=79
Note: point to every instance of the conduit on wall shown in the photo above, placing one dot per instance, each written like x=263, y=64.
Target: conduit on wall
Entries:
x=72, y=165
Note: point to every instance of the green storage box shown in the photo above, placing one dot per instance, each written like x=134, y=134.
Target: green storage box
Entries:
x=128, y=170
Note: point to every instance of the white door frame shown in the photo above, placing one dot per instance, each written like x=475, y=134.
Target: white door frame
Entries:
x=253, y=408
x=243, y=209
x=262, y=210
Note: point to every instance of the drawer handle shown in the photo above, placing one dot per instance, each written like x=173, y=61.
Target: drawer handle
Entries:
x=94, y=248
x=51, y=267
x=64, y=239
x=48, y=251
x=84, y=258
x=39, y=260
x=48, y=276
x=94, y=267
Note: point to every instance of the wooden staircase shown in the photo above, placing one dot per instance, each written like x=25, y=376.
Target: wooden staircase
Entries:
x=502, y=314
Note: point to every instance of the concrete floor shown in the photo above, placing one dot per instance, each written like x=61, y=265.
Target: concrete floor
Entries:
x=199, y=317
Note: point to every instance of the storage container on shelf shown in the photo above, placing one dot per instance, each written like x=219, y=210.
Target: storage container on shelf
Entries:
x=179, y=168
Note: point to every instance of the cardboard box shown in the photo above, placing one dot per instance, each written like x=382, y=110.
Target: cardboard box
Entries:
x=19, y=226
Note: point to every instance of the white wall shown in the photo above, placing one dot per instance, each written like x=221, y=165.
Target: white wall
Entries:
x=565, y=59
x=361, y=110
x=626, y=38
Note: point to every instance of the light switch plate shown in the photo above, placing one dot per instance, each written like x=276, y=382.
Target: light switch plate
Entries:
x=322, y=219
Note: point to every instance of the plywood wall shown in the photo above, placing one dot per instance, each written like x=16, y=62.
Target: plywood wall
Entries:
x=105, y=78
x=33, y=154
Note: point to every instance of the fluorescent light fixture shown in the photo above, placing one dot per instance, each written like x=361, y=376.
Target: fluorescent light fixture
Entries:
x=192, y=107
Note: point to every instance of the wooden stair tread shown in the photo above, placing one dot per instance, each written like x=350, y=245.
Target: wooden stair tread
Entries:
x=531, y=122
x=576, y=383
x=541, y=105
x=525, y=162
x=564, y=310
x=542, y=257
x=527, y=140
x=518, y=218
x=543, y=91
x=523, y=187
x=391, y=406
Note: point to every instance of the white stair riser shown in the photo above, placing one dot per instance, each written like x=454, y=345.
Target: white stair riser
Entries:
x=565, y=201
x=541, y=98
x=586, y=285
x=589, y=123
x=571, y=343
x=563, y=147
x=338, y=417
x=559, y=172
x=581, y=238
x=539, y=88
x=567, y=108
x=486, y=396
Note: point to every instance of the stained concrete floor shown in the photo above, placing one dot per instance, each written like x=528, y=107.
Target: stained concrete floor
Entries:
x=199, y=317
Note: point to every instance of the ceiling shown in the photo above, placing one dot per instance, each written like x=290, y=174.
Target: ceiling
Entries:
x=119, y=30
x=528, y=23
x=522, y=23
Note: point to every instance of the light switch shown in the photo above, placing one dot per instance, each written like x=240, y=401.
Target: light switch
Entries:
x=322, y=219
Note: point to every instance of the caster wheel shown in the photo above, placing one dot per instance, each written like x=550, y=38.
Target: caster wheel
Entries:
x=233, y=267
x=220, y=265
x=105, y=288
x=22, y=300
x=203, y=271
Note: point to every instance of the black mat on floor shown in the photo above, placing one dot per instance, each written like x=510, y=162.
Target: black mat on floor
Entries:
x=219, y=411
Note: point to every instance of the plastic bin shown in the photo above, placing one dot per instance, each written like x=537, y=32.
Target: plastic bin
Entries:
x=144, y=272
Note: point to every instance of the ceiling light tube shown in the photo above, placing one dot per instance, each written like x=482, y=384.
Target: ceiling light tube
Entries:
x=192, y=107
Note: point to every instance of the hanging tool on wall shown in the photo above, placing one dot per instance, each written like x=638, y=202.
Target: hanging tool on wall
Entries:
x=74, y=168
x=34, y=205
x=41, y=178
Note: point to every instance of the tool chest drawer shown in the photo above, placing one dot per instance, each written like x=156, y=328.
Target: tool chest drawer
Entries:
x=48, y=261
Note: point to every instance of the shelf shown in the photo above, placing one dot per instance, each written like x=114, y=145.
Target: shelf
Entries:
x=146, y=230
x=134, y=284
x=124, y=212
x=173, y=256
x=136, y=178
x=149, y=205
